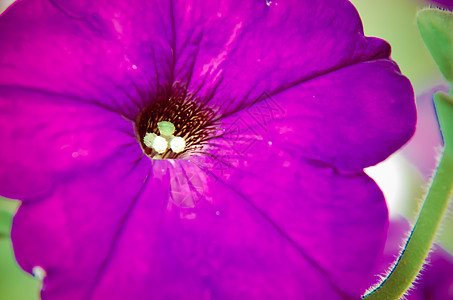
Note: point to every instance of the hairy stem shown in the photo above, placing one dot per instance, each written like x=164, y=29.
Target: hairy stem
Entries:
x=422, y=236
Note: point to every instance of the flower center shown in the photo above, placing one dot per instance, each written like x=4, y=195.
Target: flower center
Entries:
x=176, y=125
x=160, y=143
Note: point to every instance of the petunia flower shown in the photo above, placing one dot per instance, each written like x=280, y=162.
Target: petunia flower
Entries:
x=281, y=104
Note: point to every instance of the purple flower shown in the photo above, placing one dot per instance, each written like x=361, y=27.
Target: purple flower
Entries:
x=281, y=104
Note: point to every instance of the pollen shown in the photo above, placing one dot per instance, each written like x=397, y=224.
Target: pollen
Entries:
x=177, y=144
x=153, y=141
x=160, y=144
x=149, y=138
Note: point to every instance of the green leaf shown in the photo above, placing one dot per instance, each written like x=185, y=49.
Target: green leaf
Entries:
x=5, y=223
x=436, y=27
x=444, y=109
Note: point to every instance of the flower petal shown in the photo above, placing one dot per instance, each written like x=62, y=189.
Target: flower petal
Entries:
x=272, y=236
x=328, y=119
x=338, y=222
x=106, y=53
x=47, y=139
x=350, y=126
x=72, y=232
x=232, y=51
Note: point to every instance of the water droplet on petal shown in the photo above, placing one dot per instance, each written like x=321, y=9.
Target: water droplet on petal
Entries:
x=271, y=2
x=38, y=272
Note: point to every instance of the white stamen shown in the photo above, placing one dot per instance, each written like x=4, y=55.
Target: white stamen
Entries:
x=177, y=144
x=160, y=144
x=149, y=138
x=166, y=128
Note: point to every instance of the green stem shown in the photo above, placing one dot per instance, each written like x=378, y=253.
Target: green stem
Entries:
x=422, y=236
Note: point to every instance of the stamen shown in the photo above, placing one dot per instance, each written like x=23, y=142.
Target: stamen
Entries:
x=149, y=138
x=160, y=144
x=177, y=144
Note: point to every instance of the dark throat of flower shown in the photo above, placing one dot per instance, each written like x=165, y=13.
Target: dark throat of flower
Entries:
x=175, y=125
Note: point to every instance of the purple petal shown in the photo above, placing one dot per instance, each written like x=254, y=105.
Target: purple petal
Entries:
x=436, y=280
x=305, y=231
x=70, y=232
x=336, y=220
x=94, y=52
x=348, y=126
x=46, y=139
x=255, y=47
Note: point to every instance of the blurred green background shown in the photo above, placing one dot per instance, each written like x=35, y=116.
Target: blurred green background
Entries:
x=401, y=181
